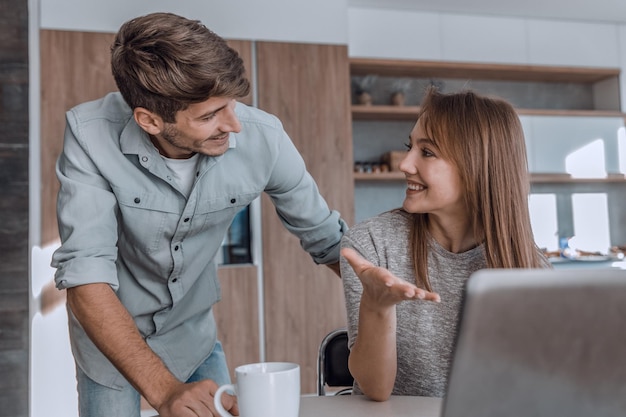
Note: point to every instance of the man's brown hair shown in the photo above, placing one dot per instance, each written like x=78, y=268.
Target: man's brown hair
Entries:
x=164, y=62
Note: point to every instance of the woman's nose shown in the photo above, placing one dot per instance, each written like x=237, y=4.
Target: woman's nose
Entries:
x=407, y=164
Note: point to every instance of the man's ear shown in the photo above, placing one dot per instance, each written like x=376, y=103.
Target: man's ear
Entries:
x=148, y=121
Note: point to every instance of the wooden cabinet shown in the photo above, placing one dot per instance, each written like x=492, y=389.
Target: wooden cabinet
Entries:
x=75, y=67
x=307, y=87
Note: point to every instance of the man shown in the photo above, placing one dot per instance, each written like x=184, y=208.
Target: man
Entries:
x=151, y=178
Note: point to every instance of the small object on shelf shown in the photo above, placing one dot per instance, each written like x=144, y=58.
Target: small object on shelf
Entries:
x=364, y=98
x=393, y=159
x=618, y=252
x=399, y=89
x=397, y=98
x=567, y=250
x=370, y=167
x=362, y=88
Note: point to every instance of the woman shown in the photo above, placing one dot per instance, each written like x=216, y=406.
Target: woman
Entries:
x=404, y=271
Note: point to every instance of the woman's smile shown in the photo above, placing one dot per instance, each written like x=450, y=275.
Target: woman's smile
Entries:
x=413, y=186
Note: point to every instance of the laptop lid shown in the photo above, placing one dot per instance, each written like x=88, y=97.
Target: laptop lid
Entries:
x=540, y=343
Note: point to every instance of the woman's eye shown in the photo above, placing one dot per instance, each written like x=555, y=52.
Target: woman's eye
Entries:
x=427, y=152
x=408, y=146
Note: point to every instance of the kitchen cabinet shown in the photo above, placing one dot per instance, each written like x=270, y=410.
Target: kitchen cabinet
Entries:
x=307, y=86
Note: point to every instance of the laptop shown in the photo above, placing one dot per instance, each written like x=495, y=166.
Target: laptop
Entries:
x=540, y=343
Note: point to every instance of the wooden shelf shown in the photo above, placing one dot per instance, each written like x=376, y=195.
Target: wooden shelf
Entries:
x=571, y=113
x=384, y=112
x=382, y=176
x=537, y=178
x=464, y=70
x=534, y=178
x=387, y=112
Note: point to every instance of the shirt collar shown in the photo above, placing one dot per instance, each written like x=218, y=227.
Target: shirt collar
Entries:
x=129, y=143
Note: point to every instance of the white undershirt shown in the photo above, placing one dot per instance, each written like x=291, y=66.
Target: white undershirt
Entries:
x=184, y=171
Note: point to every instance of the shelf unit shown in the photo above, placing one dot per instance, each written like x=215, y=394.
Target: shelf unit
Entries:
x=501, y=72
x=561, y=110
x=388, y=112
x=602, y=82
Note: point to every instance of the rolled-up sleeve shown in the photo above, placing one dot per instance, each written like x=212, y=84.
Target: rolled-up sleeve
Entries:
x=87, y=219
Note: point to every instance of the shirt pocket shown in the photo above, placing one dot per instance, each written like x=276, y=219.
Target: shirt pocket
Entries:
x=148, y=220
x=220, y=212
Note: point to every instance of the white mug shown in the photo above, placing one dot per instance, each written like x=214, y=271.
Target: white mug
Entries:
x=266, y=389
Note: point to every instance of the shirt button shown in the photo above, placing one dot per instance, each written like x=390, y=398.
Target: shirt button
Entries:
x=137, y=200
x=144, y=158
x=233, y=200
x=176, y=247
x=186, y=220
x=175, y=279
x=169, y=178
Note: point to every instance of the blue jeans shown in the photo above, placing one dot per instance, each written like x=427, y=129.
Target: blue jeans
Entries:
x=95, y=400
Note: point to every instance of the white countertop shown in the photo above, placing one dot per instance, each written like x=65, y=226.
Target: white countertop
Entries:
x=359, y=406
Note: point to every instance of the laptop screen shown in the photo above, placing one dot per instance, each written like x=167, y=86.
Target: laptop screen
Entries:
x=540, y=343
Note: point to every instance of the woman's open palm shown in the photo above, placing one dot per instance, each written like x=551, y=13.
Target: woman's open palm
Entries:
x=382, y=287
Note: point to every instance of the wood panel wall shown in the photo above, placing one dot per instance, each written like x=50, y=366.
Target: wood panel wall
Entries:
x=14, y=231
x=307, y=87
x=237, y=315
x=75, y=67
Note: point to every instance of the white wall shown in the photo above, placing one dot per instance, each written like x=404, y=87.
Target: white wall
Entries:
x=319, y=21
x=395, y=34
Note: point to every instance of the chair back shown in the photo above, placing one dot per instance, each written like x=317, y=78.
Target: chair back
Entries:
x=332, y=366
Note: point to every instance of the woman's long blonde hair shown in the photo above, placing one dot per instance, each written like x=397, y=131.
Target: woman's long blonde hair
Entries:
x=483, y=137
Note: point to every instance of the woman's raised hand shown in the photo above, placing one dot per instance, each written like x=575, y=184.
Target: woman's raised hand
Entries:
x=382, y=287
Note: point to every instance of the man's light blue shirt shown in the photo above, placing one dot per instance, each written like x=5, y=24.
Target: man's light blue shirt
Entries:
x=124, y=221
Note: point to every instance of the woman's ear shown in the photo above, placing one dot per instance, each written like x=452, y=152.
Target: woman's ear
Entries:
x=148, y=121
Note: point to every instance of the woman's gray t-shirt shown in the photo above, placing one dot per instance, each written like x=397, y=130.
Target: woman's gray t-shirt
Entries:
x=426, y=331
